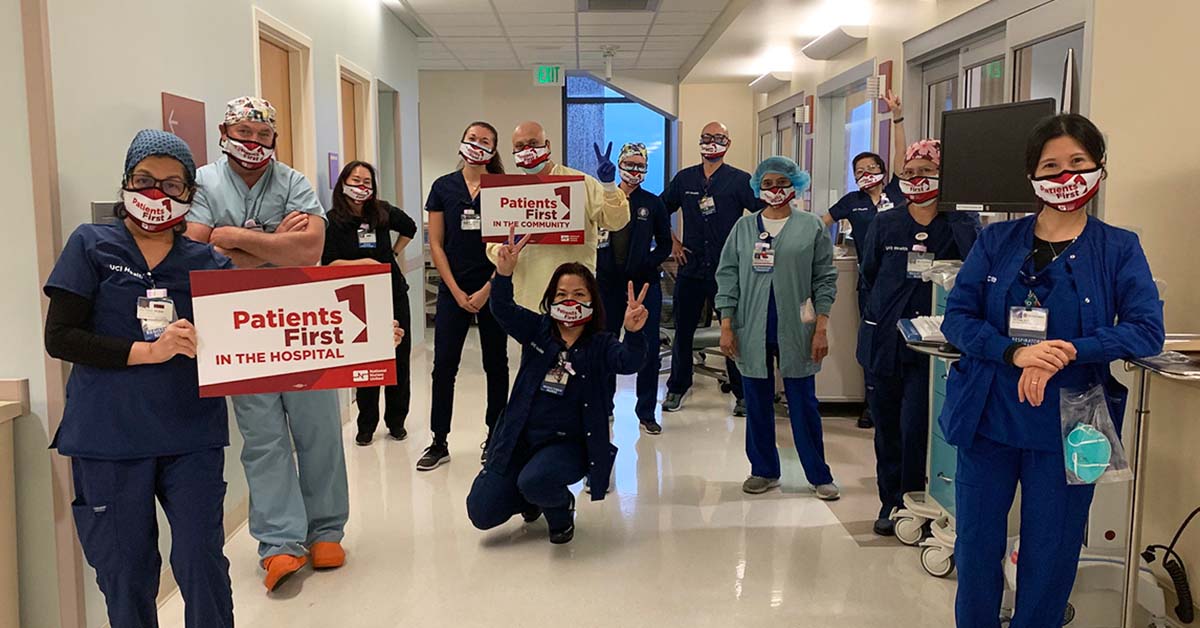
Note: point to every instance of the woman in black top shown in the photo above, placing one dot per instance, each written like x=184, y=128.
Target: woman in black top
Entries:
x=458, y=253
x=359, y=232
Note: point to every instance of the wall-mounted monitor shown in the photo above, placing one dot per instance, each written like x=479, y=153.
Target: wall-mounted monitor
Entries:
x=983, y=157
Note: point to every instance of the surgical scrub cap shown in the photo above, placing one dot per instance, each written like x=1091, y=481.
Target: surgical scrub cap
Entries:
x=925, y=149
x=151, y=142
x=780, y=165
x=249, y=108
x=633, y=149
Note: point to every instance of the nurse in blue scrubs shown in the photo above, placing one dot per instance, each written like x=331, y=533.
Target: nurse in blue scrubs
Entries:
x=1090, y=289
x=900, y=245
x=134, y=426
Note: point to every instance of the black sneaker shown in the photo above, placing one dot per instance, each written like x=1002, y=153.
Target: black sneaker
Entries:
x=885, y=527
x=363, y=439
x=483, y=453
x=399, y=434
x=739, y=407
x=864, y=420
x=651, y=427
x=564, y=536
x=531, y=514
x=435, y=456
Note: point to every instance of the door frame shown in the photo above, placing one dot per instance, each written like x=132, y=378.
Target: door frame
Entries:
x=299, y=47
x=365, y=102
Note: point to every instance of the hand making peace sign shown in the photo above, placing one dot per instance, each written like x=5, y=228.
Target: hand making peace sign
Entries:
x=606, y=171
x=636, y=313
x=506, y=256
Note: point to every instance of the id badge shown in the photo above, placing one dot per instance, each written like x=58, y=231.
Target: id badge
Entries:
x=557, y=377
x=1028, y=325
x=602, y=239
x=919, y=262
x=253, y=224
x=885, y=203
x=155, y=312
x=708, y=206
x=471, y=221
x=366, y=237
x=764, y=258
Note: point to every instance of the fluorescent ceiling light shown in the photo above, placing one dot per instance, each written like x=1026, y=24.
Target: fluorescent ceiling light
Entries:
x=770, y=82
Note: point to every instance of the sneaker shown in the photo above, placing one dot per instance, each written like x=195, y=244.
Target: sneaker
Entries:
x=281, y=567
x=531, y=514
x=828, y=492
x=564, y=536
x=673, y=402
x=864, y=420
x=363, y=439
x=398, y=435
x=327, y=555
x=739, y=407
x=435, y=456
x=884, y=527
x=651, y=427
x=483, y=452
x=755, y=485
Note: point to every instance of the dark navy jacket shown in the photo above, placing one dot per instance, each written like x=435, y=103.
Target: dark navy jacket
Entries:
x=892, y=295
x=593, y=358
x=858, y=208
x=704, y=235
x=1121, y=315
x=649, y=223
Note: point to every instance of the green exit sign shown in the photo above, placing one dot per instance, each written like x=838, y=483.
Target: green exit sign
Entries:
x=548, y=75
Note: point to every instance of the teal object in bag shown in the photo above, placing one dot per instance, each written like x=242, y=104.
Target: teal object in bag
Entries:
x=1087, y=453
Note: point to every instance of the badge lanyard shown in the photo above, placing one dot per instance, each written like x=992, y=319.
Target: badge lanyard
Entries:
x=366, y=236
x=708, y=205
x=919, y=258
x=557, y=377
x=470, y=220
x=155, y=311
x=764, y=251
x=1029, y=324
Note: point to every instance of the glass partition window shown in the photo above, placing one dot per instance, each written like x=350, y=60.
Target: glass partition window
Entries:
x=597, y=114
x=942, y=96
x=858, y=119
x=1041, y=67
x=985, y=84
x=766, y=145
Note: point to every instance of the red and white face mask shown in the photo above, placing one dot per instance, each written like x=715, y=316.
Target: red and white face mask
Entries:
x=713, y=151
x=357, y=193
x=869, y=180
x=152, y=209
x=1068, y=190
x=249, y=154
x=571, y=313
x=475, y=154
x=919, y=191
x=531, y=158
x=776, y=197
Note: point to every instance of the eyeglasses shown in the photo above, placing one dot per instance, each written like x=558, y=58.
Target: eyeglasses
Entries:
x=923, y=171
x=871, y=169
x=723, y=140
x=171, y=187
x=630, y=166
x=518, y=147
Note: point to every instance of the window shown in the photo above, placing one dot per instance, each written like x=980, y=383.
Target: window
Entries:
x=985, y=84
x=595, y=113
x=859, y=116
x=1041, y=67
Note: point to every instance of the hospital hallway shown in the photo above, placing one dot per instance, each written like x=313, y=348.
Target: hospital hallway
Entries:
x=676, y=544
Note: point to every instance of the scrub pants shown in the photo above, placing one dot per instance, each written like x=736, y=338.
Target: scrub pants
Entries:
x=615, y=294
x=451, y=324
x=540, y=478
x=805, y=418
x=691, y=297
x=900, y=408
x=293, y=502
x=396, y=398
x=1053, y=517
x=118, y=529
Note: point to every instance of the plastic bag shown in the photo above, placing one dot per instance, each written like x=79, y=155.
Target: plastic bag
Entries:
x=808, y=313
x=943, y=273
x=1092, y=449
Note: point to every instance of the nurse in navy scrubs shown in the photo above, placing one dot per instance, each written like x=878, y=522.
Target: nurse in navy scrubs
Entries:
x=135, y=426
x=899, y=246
x=1091, y=289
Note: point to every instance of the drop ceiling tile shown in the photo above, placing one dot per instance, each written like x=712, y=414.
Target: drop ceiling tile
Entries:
x=423, y=7
x=621, y=43
x=616, y=30
x=538, y=19
x=535, y=6
x=440, y=65
x=671, y=43
x=540, y=31
x=616, y=17
x=469, y=31
x=438, y=20
x=691, y=5
x=595, y=54
x=679, y=29
x=686, y=17
x=657, y=65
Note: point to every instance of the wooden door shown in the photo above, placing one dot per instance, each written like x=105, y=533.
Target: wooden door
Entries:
x=276, y=79
x=349, y=122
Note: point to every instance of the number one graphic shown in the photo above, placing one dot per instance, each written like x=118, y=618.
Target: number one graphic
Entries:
x=564, y=195
x=356, y=298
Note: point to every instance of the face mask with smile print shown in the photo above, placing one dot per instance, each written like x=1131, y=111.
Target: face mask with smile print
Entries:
x=249, y=154
x=920, y=191
x=571, y=313
x=1068, y=190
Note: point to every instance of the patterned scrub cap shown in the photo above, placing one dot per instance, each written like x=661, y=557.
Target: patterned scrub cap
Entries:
x=249, y=108
x=634, y=149
x=925, y=149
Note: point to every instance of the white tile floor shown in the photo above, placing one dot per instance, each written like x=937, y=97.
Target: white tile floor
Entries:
x=677, y=543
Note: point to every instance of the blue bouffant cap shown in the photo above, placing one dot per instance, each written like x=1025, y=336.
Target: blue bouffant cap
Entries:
x=151, y=142
x=780, y=165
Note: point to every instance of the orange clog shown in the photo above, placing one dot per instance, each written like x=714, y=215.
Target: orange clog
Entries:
x=280, y=567
x=327, y=555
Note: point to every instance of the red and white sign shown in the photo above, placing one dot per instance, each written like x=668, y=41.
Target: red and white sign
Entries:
x=551, y=207
x=288, y=329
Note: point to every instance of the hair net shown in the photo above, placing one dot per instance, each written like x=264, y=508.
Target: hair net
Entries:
x=151, y=142
x=780, y=165
x=925, y=149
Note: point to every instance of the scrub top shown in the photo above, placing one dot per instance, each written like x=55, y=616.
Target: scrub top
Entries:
x=139, y=411
x=860, y=210
x=705, y=235
x=223, y=200
x=465, y=250
x=344, y=240
x=556, y=417
x=638, y=250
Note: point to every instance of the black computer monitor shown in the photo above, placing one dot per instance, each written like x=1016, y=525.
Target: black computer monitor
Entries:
x=983, y=157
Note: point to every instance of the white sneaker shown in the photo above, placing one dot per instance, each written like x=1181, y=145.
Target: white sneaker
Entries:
x=828, y=492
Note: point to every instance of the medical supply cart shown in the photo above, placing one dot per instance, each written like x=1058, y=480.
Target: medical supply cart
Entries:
x=933, y=508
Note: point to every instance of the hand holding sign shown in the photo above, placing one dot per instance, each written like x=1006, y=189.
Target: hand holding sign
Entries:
x=636, y=313
x=178, y=339
x=606, y=172
x=397, y=333
x=506, y=256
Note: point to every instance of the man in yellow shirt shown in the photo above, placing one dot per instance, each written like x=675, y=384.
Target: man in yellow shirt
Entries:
x=607, y=208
